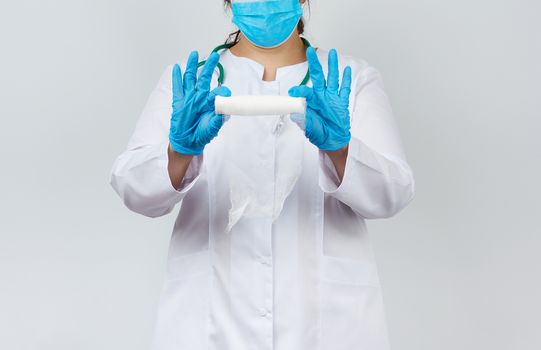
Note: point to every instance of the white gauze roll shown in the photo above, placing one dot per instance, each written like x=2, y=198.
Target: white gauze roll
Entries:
x=259, y=105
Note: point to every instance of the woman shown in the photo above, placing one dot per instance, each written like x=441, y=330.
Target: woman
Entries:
x=270, y=248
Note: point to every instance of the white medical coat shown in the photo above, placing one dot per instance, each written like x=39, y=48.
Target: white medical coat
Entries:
x=307, y=281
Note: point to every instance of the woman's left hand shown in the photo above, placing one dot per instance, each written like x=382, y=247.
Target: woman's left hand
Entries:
x=327, y=124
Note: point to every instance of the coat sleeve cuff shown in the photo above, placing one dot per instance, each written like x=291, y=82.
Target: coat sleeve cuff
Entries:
x=193, y=173
x=329, y=181
x=373, y=185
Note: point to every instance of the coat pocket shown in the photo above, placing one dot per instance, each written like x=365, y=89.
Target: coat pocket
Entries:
x=185, y=304
x=348, y=271
x=185, y=266
x=352, y=311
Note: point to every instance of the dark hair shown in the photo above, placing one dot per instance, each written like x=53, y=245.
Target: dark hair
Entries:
x=233, y=38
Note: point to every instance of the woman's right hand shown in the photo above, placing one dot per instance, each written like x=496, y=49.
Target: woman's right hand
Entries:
x=194, y=122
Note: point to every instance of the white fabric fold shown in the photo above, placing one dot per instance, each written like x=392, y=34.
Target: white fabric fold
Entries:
x=261, y=178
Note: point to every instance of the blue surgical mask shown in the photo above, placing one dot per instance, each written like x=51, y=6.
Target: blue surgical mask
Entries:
x=266, y=23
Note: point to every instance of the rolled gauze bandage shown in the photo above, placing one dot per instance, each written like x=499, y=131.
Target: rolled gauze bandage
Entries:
x=259, y=105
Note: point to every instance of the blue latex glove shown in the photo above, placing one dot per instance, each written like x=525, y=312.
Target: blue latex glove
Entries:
x=194, y=122
x=327, y=122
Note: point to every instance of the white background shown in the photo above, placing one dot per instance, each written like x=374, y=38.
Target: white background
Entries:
x=460, y=267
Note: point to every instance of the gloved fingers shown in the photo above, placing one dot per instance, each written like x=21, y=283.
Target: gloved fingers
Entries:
x=312, y=127
x=203, y=83
x=190, y=76
x=316, y=71
x=219, y=91
x=319, y=131
x=207, y=128
x=178, y=93
x=345, y=89
x=215, y=123
x=333, y=73
x=302, y=91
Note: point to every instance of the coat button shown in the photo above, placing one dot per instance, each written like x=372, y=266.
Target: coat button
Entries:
x=263, y=312
x=264, y=260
